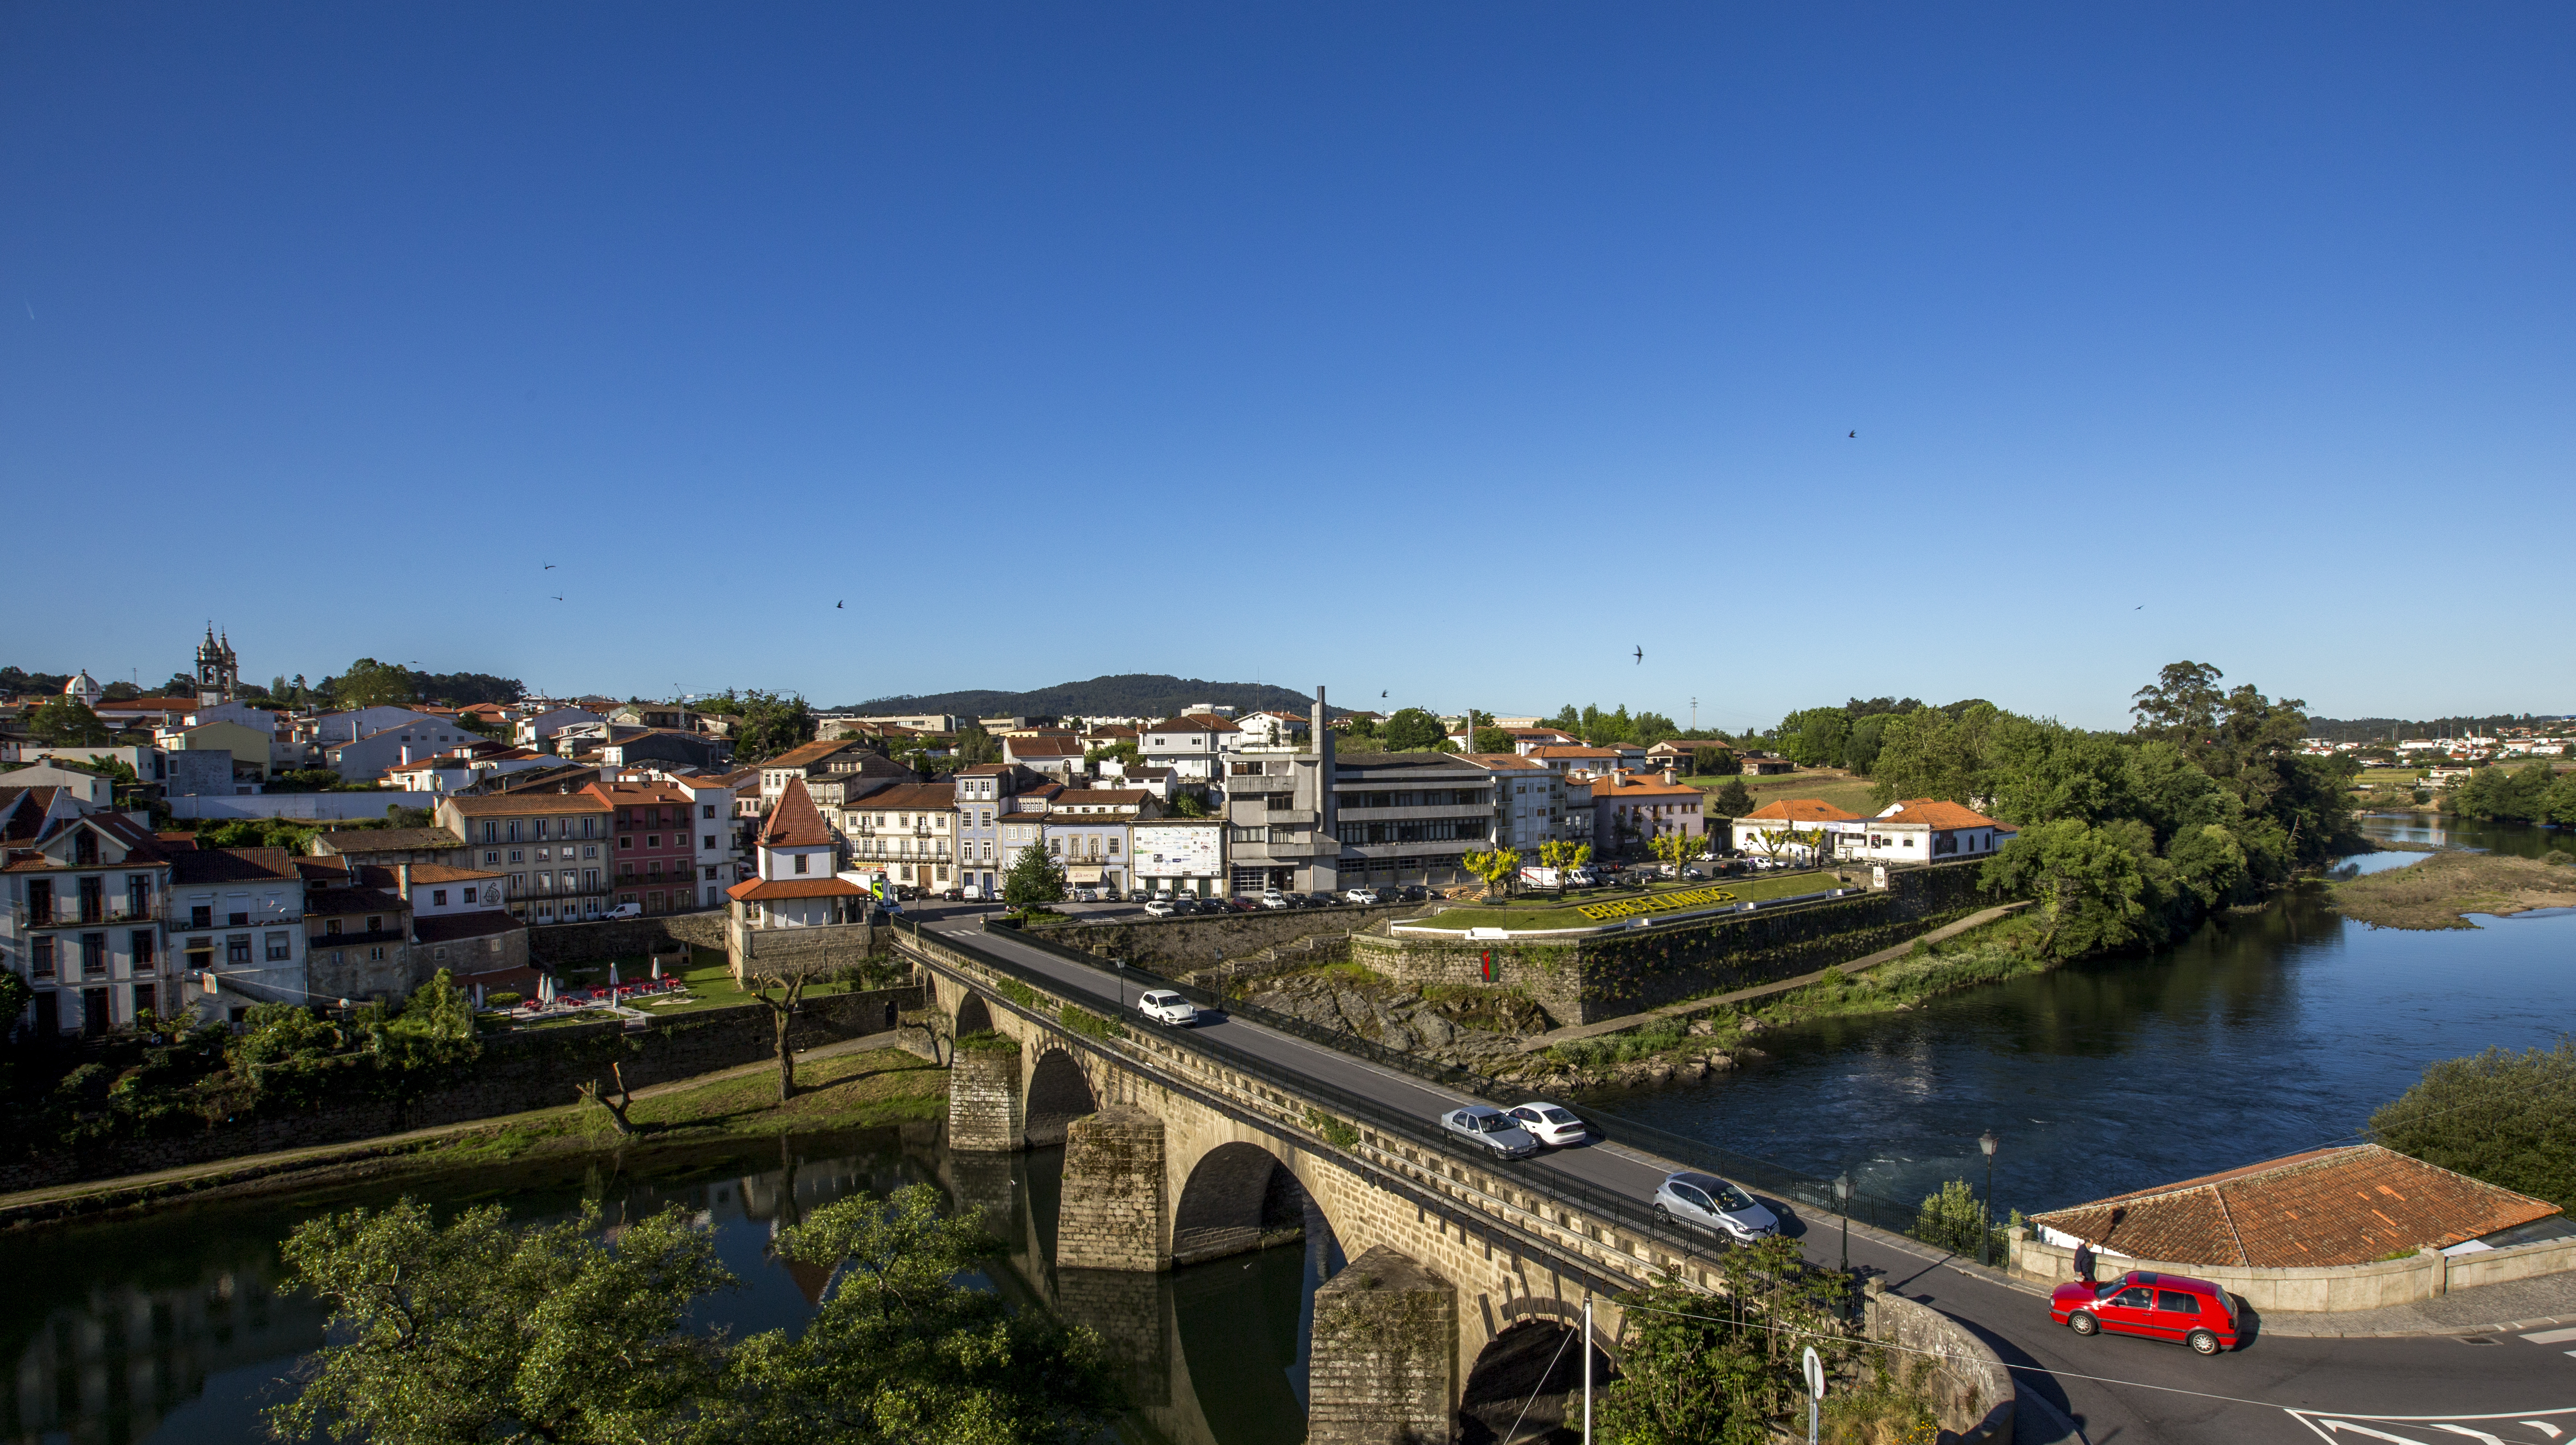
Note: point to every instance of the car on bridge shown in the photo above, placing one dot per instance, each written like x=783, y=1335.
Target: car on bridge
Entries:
x=1492, y=1128
x=1550, y=1123
x=1712, y=1203
x=2170, y=1307
x=1166, y=1007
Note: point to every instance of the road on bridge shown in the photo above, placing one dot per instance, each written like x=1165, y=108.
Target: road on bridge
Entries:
x=2515, y=1391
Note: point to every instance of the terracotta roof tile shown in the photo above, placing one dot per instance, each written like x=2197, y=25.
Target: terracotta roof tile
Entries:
x=762, y=890
x=794, y=821
x=1939, y=813
x=1799, y=810
x=2324, y=1207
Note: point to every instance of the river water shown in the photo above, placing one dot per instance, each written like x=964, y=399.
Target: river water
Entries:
x=2265, y=1033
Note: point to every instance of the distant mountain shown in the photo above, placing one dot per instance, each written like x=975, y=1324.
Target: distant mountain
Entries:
x=1131, y=694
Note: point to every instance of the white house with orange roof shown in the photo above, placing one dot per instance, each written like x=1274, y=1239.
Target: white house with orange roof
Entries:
x=1795, y=828
x=1629, y=808
x=794, y=883
x=1924, y=830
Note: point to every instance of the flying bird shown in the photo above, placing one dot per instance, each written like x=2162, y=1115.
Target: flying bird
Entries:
x=1641, y=655
x=1381, y=694
x=1853, y=433
x=836, y=606
x=550, y=566
x=558, y=597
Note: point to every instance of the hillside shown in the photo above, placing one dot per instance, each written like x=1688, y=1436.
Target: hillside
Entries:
x=1129, y=694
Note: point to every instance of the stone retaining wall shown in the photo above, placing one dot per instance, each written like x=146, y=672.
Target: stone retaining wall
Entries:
x=1174, y=946
x=2323, y=1290
x=535, y=1069
x=559, y=945
x=1972, y=1392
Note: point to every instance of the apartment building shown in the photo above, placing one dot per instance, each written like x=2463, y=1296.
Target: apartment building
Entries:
x=1410, y=817
x=1630, y=808
x=1190, y=745
x=908, y=833
x=86, y=919
x=1279, y=812
x=551, y=848
x=1529, y=803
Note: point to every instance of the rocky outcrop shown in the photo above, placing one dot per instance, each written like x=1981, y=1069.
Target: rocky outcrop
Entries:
x=1481, y=1032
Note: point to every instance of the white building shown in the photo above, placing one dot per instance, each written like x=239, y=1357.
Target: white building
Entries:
x=1923, y=830
x=794, y=884
x=1190, y=745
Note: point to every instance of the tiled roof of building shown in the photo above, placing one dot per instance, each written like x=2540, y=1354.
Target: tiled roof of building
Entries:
x=1100, y=798
x=1043, y=747
x=519, y=805
x=1571, y=753
x=1799, y=810
x=912, y=798
x=232, y=865
x=1636, y=786
x=2340, y=1206
x=340, y=902
x=806, y=755
x=763, y=890
x=1195, y=722
x=385, y=840
x=1938, y=813
x=1506, y=762
x=794, y=822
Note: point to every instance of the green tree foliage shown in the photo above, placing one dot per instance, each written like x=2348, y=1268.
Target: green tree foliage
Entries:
x=1601, y=729
x=68, y=722
x=1700, y=1369
x=2507, y=1118
x=369, y=683
x=1123, y=750
x=2088, y=880
x=1732, y=801
x=1412, y=730
x=1651, y=728
x=974, y=746
x=1951, y=1218
x=1034, y=880
x=484, y=1331
x=2532, y=794
x=18, y=682
x=1496, y=866
x=1567, y=720
x=1491, y=740
x=465, y=689
x=769, y=724
x=1814, y=738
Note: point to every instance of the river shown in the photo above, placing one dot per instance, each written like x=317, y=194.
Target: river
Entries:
x=2264, y=1033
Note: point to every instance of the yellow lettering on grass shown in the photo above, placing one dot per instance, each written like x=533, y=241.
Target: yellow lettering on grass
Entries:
x=1659, y=903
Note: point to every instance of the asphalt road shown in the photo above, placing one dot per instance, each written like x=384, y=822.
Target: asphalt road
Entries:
x=2513, y=1391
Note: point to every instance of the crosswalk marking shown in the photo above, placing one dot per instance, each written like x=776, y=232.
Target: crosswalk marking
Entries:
x=2551, y=1337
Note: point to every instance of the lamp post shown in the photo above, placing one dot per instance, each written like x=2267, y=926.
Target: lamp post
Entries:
x=1120, y=964
x=1986, y=1227
x=1842, y=1203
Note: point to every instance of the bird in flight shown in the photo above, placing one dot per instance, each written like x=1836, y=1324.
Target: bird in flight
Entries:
x=550, y=566
x=1641, y=654
x=836, y=606
x=1852, y=434
x=1381, y=694
x=2141, y=607
x=558, y=597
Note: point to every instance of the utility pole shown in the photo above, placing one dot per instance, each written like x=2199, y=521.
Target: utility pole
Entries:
x=1587, y=1368
x=1694, y=714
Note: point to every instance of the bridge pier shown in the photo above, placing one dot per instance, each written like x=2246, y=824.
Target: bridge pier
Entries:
x=984, y=1115
x=1131, y=1312
x=1112, y=1214
x=1383, y=1366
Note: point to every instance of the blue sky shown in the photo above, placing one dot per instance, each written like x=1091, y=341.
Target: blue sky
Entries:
x=1447, y=351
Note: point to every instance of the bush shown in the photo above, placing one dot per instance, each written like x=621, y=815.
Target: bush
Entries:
x=1333, y=1131
x=2506, y=1118
x=1950, y=1219
x=985, y=1041
x=1090, y=1025
x=501, y=1000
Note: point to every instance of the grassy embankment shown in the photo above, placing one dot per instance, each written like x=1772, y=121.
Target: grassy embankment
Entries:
x=2439, y=891
x=710, y=983
x=2007, y=948
x=1831, y=785
x=1544, y=910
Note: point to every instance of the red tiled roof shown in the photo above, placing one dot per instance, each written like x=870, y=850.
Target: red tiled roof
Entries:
x=762, y=890
x=232, y=865
x=1938, y=813
x=2325, y=1207
x=1633, y=786
x=1195, y=722
x=794, y=821
x=1573, y=752
x=1800, y=810
x=511, y=805
x=911, y=798
x=1043, y=747
x=806, y=754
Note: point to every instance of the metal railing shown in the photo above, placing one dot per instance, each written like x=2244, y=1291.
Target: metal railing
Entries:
x=1754, y=1172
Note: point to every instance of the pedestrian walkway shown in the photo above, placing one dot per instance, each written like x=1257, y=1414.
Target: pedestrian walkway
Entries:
x=60, y=1199
x=1539, y=1043
x=2519, y=1304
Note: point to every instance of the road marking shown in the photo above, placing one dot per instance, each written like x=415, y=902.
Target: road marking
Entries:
x=2482, y=1428
x=2549, y=1430
x=2551, y=1337
x=2472, y=1434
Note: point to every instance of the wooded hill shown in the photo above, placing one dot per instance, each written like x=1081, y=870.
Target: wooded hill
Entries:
x=1128, y=694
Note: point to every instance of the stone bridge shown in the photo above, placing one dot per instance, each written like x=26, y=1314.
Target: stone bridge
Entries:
x=1449, y=1283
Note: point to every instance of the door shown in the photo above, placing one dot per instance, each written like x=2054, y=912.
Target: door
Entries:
x=94, y=1018
x=49, y=1016
x=2177, y=1314
x=2131, y=1312
x=1696, y=1204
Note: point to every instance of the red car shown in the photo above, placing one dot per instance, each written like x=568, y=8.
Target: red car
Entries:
x=2159, y=1306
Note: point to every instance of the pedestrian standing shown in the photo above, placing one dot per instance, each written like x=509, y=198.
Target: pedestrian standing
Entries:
x=2084, y=1260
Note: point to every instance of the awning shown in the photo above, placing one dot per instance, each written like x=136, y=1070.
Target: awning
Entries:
x=1082, y=873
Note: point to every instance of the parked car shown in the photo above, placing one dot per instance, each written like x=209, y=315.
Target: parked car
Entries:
x=1712, y=1203
x=627, y=910
x=1161, y=908
x=2171, y=1307
x=1086, y=894
x=1321, y=900
x=1413, y=893
x=953, y=895
x=1273, y=898
x=1492, y=1128
x=1166, y=1007
x=1362, y=895
x=1244, y=903
x=1693, y=873
x=1550, y=1123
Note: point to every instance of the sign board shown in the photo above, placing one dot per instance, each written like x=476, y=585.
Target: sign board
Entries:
x=1815, y=1369
x=1187, y=850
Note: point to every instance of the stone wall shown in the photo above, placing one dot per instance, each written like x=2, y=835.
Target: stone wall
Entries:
x=1173, y=946
x=790, y=951
x=1112, y=1214
x=984, y=1097
x=2323, y=1290
x=1588, y=978
x=1972, y=1392
x=1384, y=1363
x=560, y=945
x=536, y=1069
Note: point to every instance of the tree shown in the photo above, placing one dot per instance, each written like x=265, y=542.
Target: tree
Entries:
x=1732, y=801
x=771, y=723
x=2181, y=706
x=369, y=683
x=1496, y=866
x=1492, y=740
x=1188, y=804
x=1412, y=730
x=974, y=746
x=1815, y=737
x=1712, y=761
x=1034, y=880
x=1652, y=728
x=1567, y=720
x=788, y=984
x=67, y=722
x=2507, y=1118
x=1123, y=751
x=1675, y=848
x=1601, y=729
x=900, y=1352
x=1565, y=856
x=1930, y=754
x=2091, y=889
x=482, y=1331
x=1702, y=1369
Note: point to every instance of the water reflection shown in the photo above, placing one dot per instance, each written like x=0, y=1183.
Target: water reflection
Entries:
x=169, y=1328
x=2265, y=1032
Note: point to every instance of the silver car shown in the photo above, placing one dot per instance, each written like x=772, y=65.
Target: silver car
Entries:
x=1712, y=1203
x=1492, y=1128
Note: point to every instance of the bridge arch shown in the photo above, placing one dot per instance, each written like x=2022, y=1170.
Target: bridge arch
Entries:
x=972, y=1016
x=1534, y=1365
x=1059, y=1092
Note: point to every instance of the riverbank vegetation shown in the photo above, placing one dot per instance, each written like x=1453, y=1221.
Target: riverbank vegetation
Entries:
x=1695, y=1367
x=2507, y=1118
x=2440, y=891
x=2532, y=793
x=479, y=1330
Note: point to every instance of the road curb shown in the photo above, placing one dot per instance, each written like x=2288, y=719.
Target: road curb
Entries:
x=2438, y=1332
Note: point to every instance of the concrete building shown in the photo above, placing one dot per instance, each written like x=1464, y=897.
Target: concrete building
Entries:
x=1410, y=817
x=549, y=847
x=358, y=722
x=1630, y=808
x=1058, y=755
x=1794, y=829
x=93, y=790
x=366, y=758
x=1921, y=830
x=984, y=794
x=389, y=846
x=1529, y=803
x=1191, y=746
x=239, y=916
x=908, y=833
x=1273, y=729
x=250, y=748
x=655, y=828
x=539, y=729
x=1279, y=813
x=85, y=924
x=721, y=859
x=357, y=935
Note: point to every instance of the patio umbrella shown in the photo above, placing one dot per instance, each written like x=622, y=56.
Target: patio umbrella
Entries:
x=657, y=968
x=612, y=978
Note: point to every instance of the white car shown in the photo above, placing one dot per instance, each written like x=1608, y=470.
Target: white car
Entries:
x=1161, y=908
x=1086, y=894
x=1492, y=1128
x=1549, y=1123
x=627, y=910
x=1711, y=1203
x=1362, y=895
x=1273, y=898
x=1166, y=1007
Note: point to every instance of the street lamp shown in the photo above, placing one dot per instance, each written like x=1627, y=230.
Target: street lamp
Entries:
x=1842, y=1203
x=1120, y=964
x=1986, y=1228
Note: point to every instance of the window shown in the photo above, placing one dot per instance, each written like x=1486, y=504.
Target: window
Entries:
x=491, y=834
x=279, y=949
x=590, y=880
x=201, y=916
x=40, y=960
x=707, y=810
x=653, y=841
x=375, y=923
x=518, y=855
x=2180, y=1302
x=801, y=861
x=141, y=945
x=237, y=948
x=514, y=830
x=438, y=898
x=587, y=825
x=376, y=954
x=541, y=828
x=625, y=840
x=491, y=857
